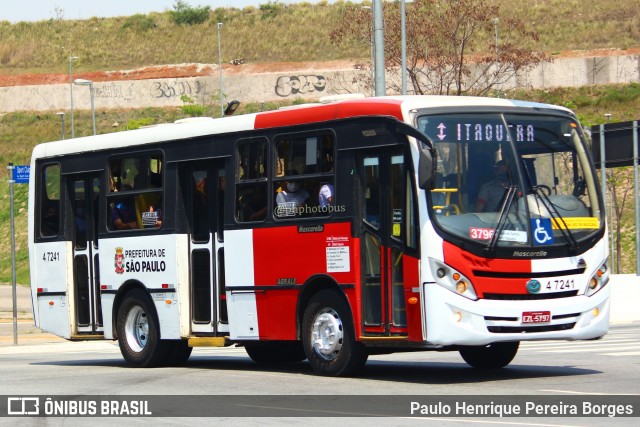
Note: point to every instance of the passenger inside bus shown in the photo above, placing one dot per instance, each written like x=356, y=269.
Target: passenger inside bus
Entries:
x=50, y=221
x=292, y=197
x=492, y=192
x=122, y=216
x=252, y=203
x=327, y=192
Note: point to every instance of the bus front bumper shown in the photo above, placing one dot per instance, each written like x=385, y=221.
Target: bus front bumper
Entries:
x=452, y=319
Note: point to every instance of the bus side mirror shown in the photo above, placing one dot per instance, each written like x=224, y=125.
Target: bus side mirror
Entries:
x=426, y=168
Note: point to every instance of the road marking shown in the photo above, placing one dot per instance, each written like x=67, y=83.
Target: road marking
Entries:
x=534, y=345
x=623, y=353
x=611, y=347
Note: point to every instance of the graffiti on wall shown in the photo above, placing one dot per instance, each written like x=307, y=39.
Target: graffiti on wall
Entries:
x=177, y=88
x=113, y=91
x=294, y=85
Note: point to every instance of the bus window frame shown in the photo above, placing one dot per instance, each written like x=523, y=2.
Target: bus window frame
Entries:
x=40, y=203
x=156, y=153
x=256, y=182
x=319, y=177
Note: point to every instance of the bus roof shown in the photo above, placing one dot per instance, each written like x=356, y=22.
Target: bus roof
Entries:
x=394, y=106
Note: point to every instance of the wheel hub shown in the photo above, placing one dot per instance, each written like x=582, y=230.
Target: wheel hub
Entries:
x=137, y=329
x=327, y=334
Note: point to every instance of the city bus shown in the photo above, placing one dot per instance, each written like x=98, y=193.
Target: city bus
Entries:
x=325, y=232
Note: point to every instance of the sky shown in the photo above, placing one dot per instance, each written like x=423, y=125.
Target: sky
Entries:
x=37, y=10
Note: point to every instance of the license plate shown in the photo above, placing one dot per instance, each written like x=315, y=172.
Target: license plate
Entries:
x=536, y=316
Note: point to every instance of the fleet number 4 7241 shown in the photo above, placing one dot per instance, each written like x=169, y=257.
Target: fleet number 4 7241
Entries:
x=560, y=285
x=51, y=256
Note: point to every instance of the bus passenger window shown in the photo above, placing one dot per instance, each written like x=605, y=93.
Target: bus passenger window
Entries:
x=50, y=202
x=306, y=188
x=251, y=181
x=135, y=198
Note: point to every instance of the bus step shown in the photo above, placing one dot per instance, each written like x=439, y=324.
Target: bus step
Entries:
x=86, y=337
x=208, y=342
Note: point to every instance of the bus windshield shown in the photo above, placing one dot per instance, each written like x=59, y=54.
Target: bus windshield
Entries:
x=512, y=180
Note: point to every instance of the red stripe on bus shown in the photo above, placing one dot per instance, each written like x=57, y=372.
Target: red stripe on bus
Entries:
x=321, y=113
x=466, y=263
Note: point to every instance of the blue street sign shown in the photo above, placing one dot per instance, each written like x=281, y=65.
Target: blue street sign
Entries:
x=21, y=174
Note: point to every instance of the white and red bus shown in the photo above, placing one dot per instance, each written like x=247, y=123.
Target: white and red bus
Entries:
x=326, y=232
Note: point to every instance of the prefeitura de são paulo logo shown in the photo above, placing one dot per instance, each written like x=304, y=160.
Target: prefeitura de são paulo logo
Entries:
x=119, y=261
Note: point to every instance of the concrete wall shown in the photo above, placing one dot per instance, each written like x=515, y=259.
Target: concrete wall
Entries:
x=307, y=84
x=625, y=298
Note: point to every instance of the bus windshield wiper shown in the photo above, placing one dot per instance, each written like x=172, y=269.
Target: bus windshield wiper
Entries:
x=504, y=212
x=557, y=218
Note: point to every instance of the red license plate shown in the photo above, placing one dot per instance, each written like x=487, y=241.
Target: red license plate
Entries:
x=536, y=316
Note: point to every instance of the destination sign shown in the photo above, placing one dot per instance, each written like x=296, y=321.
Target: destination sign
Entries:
x=476, y=131
x=490, y=128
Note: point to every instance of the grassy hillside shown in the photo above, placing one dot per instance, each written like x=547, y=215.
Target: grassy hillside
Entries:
x=275, y=32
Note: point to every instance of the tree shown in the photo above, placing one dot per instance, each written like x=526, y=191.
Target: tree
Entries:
x=620, y=183
x=185, y=14
x=451, y=48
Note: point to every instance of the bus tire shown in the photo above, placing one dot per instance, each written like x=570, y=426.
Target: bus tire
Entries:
x=178, y=353
x=328, y=336
x=280, y=352
x=492, y=356
x=139, y=333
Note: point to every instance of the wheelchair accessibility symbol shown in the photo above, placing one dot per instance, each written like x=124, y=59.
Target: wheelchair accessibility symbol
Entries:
x=542, y=232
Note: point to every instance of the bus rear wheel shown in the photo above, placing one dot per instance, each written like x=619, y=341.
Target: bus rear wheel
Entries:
x=492, y=356
x=139, y=333
x=328, y=336
x=280, y=352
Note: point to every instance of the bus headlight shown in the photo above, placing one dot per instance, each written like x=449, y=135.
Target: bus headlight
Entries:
x=452, y=280
x=598, y=280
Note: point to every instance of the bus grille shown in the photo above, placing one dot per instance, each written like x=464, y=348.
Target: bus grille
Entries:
x=521, y=297
x=521, y=329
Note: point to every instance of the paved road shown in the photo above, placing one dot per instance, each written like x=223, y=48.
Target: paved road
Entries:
x=556, y=370
x=27, y=333
x=43, y=364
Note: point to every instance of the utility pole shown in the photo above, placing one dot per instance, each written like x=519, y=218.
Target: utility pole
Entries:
x=378, y=40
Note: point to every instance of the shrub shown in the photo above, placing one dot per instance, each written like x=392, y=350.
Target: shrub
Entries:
x=185, y=14
x=193, y=110
x=271, y=9
x=190, y=108
x=139, y=22
x=138, y=123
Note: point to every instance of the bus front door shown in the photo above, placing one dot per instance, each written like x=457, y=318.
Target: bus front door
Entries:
x=203, y=192
x=83, y=190
x=385, y=213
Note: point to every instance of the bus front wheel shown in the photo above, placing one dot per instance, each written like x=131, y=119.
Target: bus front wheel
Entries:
x=492, y=356
x=329, y=336
x=138, y=331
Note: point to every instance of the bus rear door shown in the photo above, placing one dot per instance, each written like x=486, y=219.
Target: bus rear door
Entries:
x=83, y=190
